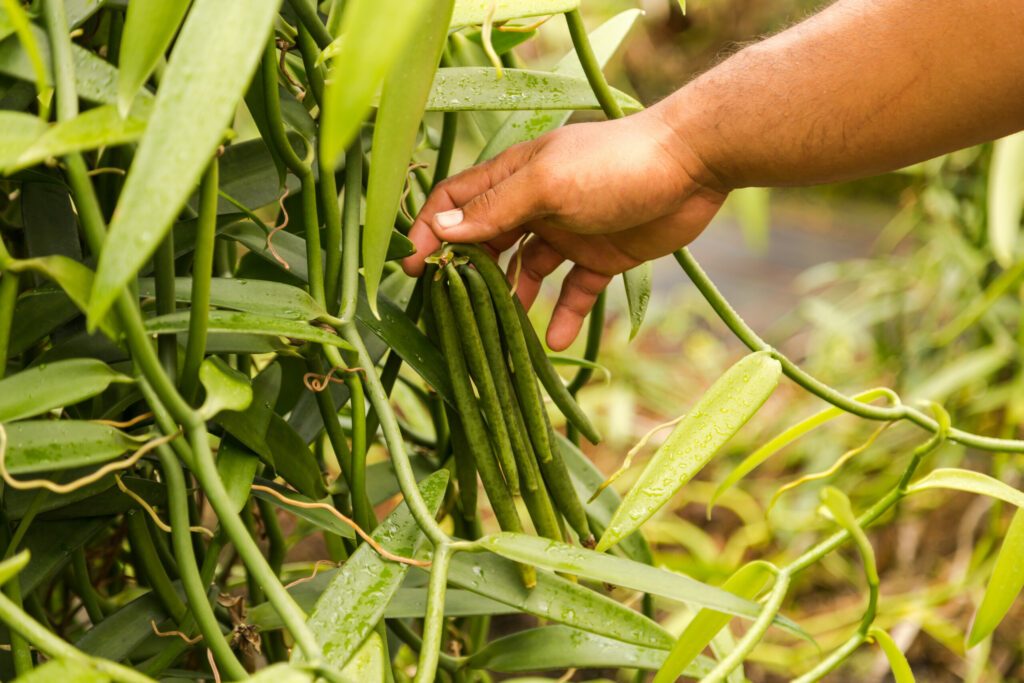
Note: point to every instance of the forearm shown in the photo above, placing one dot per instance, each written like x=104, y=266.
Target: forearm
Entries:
x=861, y=88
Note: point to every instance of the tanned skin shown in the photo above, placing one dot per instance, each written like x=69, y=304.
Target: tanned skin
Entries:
x=863, y=87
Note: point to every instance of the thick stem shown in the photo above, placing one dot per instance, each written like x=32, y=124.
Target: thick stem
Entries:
x=8, y=299
x=433, y=622
x=306, y=13
x=144, y=550
x=351, y=230
x=202, y=273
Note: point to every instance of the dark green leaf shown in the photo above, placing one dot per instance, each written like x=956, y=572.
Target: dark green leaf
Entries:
x=248, y=323
x=319, y=518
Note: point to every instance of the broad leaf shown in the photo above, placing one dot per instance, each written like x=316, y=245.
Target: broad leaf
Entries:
x=226, y=388
x=149, y=27
x=355, y=600
x=71, y=276
x=57, y=445
x=248, y=323
x=721, y=412
x=526, y=125
x=402, y=100
x=474, y=88
x=1006, y=197
x=472, y=12
x=261, y=297
x=562, y=647
x=213, y=59
x=237, y=466
x=18, y=131
x=53, y=385
x=1005, y=583
x=374, y=34
x=970, y=482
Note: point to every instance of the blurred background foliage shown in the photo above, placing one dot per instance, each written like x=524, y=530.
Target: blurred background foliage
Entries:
x=887, y=281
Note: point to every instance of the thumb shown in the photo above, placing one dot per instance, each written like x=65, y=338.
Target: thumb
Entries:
x=518, y=199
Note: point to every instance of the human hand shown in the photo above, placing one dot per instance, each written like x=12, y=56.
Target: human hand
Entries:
x=606, y=196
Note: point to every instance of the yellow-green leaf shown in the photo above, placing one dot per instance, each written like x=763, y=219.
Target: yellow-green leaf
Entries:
x=1006, y=197
x=901, y=671
x=149, y=27
x=53, y=385
x=969, y=482
x=720, y=413
x=226, y=388
x=473, y=12
x=1005, y=584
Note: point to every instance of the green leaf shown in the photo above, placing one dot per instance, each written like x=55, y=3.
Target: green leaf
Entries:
x=319, y=518
x=282, y=673
x=251, y=425
x=1004, y=585
x=474, y=12
x=292, y=459
x=226, y=388
x=475, y=88
x=842, y=512
x=718, y=415
x=374, y=33
x=1006, y=197
x=563, y=647
x=149, y=27
x=124, y=630
x=53, y=385
x=213, y=59
x=65, y=671
x=527, y=125
x=10, y=568
x=638, y=295
x=237, y=466
x=502, y=41
x=369, y=661
x=74, y=278
x=560, y=557
x=96, y=128
x=355, y=600
x=748, y=581
x=969, y=482
x=55, y=445
x=261, y=297
x=556, y=599
x=901, y=671
x=51, y=545
x=18, y=132
x=402, y=100
x=248, y=323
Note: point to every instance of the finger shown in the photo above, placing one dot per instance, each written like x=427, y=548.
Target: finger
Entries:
x=506, y=240
x=580, y=290
x=499, y=209
x=537, y=260
x=449, y=195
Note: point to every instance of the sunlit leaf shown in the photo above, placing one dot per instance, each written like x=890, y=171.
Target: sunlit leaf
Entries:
x=718, y=415
x=149, y=27
x=402, y=100
x=44, y=387
x=1006, y=197
x=901, y=671
x=18, y=132
x=969, y=482
x=638, y=294
x=473, y=12
x=374, y=34
x=474, y=88
x=748, y=581
x=215, y=54
x=369, y=661
x=839, y=507
x=1005, y=583
x=522, y=126
x=359, y=593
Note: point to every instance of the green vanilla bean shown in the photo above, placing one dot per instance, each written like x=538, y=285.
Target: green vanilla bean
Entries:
x=525, y=382
x=480, y=372
x=476, y=432
x=563, y=494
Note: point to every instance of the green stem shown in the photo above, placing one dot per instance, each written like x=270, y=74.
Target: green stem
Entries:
x=754, y=634
x=357, y=405
x=332, y=233
x=835, y=658
x=8, y=300
x=433, y=622
x=191, y=579
x=55, y=647
x=202, y=272
x=84, y=586
x=449, y=131
x=745, y=334
x=275, y=537
x=311, y=22
x=591, y=68
x=152, y=569
x=351, y=230
x=310, y=51
x=163, y=270
x=393, y=437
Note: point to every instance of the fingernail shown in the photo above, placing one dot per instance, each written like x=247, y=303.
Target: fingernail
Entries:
x=449, y=219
